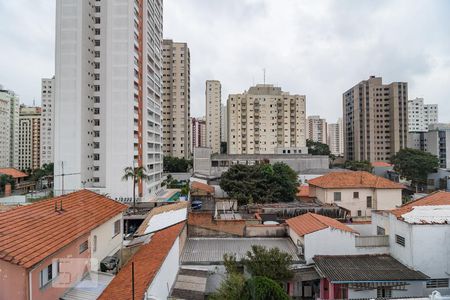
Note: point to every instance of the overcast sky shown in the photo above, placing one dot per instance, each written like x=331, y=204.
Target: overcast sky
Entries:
x=316, y=48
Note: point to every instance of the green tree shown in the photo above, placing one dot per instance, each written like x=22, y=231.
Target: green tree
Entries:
x=358, y=165
x=415, y=165
x=231, y=288
x=176, y=165
x=4, y=180
x=317, y=148
x=272, y=263
x=136, y=174
x=263, y=288
x=262, y=183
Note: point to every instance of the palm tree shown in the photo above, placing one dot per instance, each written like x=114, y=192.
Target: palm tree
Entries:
x=137, y=174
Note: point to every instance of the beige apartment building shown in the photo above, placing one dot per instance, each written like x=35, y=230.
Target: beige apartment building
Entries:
x=266, y=120
x=176, y=99
x=335, y=138
x=29, y=138
x=375, y=120
x=213, y=95
x=316, y=129
x=9, y=128
x=47, y=120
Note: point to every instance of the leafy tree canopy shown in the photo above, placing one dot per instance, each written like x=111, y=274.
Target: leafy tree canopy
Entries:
x=176, y=165
x=317, y=148
x=271, y=263
x=415, y=165
x=262, y=183
x=4, y=180
x=363, y=165
x=263, y=288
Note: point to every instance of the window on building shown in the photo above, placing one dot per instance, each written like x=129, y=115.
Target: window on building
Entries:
x=116, y=228
x=381, y=231
x=49, y=273
x=359, y=213
x=437, y=283
x=400, y=240
x=83, y=246
x=356, y=195
x=369, y=201
x=384, y=292
x=337, y=196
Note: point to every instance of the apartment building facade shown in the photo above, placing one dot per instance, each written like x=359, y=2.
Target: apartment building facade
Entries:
x=198, y=133
x=29, y=138
x=375, y=120
x=108, y=95
x=223, y=124
x=9, y=128
x=176, y=99
x=47, y=120
x=213, y=95
x=264, y=120
x=435, y=141
x=316, y=129
x=421, y=115
x=335, y=138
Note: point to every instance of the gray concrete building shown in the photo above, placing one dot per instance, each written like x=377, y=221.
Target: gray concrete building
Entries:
x=375, y=117
x=213, y=95
x=421, y=115
x=9, y=128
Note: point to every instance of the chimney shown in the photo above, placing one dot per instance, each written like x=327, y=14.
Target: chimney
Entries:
x=56, y=206
x=61, y=206
x=7, y=189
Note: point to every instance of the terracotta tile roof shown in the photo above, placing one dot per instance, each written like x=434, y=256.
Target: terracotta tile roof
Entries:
x=29, y=234
x=381, y=164
x=309, y=223
x=159, y=210
x=202, y=187
x=436, y=198
x=358, y=179
x=13, y=172
x=147, y=262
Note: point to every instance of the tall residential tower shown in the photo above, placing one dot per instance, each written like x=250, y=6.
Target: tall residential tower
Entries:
x=213, y=95
x=375, y=120
x=29, y=138
x=316, y=129
x=47, y=120
x=9, y=129
x=421, y=115
x=108, y=95
x=266, y=120
x=176, y=99
x=335, y=138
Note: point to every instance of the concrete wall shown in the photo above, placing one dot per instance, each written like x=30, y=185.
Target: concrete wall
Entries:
x=413, y=289
x=165, y=278
x=13, y=281
x=265, y=230
x=107, y=242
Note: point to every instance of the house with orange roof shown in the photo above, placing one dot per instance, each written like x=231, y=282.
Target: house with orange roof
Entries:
x=151, y=273
x=359, y=192
x=419, y=237
x=48, y=246
x=315, y=234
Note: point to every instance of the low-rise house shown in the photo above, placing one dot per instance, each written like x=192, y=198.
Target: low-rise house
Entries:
x=419, y=234
x=320, y=235
x=48, y=246
x=367, y=277
x=152, y=271
x=359, y=192
x=22, y=185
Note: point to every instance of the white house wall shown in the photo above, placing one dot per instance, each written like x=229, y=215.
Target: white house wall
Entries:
x=414, y=289
x=107, y=242
x=167, y=274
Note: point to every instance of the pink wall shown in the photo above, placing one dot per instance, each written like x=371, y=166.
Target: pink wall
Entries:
x=14, y=279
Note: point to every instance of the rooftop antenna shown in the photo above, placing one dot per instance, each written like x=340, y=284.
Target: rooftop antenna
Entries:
x=63, y=176
x=34, y=102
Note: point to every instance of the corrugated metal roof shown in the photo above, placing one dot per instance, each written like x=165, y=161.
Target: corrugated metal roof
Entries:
x=365, y=268
x=211, y=250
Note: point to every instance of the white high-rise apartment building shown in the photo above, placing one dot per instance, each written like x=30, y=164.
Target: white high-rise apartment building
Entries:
x=266, y=120
x=316, y=129
x=223, y=123
x=421, y=115
x=47, y=120
x=213, y=95
x=335, y=139
x=9, y=128
x=176, y=99
x=29, y=138
x=108, y=95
